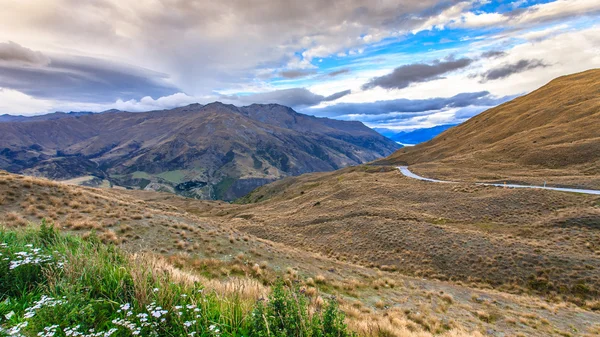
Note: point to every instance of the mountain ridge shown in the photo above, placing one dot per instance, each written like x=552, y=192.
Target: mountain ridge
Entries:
x=547, y=129
x=207, y=144
x=420, y=135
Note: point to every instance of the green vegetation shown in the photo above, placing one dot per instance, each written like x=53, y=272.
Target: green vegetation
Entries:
x=140, y=175
x=63, y=285
x=174, y=177
x=221, y=188
x=287, y=314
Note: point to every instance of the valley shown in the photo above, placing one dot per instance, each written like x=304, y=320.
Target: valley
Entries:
x=434, y=284
x=276, y=168
x=401, y=252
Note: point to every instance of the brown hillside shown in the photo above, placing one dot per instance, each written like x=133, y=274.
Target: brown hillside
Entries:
x=378, y=303
x=554, y=127
x=374, y=216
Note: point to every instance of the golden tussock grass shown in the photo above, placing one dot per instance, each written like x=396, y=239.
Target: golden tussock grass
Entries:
x=395, y=323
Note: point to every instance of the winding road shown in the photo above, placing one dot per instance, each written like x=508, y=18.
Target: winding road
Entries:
x=405, y=171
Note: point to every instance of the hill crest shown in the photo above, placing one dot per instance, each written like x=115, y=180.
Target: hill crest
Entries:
x=549, y=128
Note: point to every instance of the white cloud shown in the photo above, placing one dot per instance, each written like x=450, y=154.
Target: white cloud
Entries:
x=558, y=9
x=17, y=103
x=538, y=35
x=456, y=16
x=148, y=103
x=449, y=15
x=473, y=20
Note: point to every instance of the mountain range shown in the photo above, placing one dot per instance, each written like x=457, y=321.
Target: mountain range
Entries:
x=213, y=151
x=408, y=138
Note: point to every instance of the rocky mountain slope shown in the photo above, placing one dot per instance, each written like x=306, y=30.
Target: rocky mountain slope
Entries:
x=553, y=128
x=213, y=151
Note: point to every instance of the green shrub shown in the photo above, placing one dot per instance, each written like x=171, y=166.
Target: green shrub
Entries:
x=286, y=313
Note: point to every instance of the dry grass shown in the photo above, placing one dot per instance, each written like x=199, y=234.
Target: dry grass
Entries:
x=531, y=136
x=409, y=307
x=488, y=236
x=396, y=323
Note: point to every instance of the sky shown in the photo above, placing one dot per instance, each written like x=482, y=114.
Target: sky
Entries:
x=397, y=65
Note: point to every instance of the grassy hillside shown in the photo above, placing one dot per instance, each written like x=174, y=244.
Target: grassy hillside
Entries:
x=515, y=240
x=52, y=284
x=551, y=131
x=327, y=234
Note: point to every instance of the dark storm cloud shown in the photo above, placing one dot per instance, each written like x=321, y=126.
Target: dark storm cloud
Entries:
x=79, y=79
x=493, y=54
x=406, y=75
x=338, y=72
x=508, y=69
x=408, y=106
x=337, y=95
x=11, y=52
x=291, y=74
x=295, y=97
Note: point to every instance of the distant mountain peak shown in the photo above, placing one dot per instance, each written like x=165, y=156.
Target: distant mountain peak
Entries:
x=218, y=104
x=111, y=111
x=212, y=151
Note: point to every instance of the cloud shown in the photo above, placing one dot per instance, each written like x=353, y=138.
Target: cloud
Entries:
x=407, y=106
x=522, y=17
x=493, y=54
x=80, y=79
x=556, y=10
x=11, y=52
x=508, y=69
x=338, y=72
x=540, y=35
x=404, y=76
x=148, y=103
x=210, y=45
x=233, y=47
x=15, y=102
x=291, y=74
x=294, y=97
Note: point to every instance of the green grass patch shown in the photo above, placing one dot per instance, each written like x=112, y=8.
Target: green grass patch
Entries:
x=62, y=285
x=140, y=175
x=174, y=177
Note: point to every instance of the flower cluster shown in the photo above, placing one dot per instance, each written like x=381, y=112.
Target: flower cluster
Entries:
x=30, y=256
x=45, y=301
x=49, y=331
x=146, y=322
x=214, y=329
x=74, y=332
x=15, y=330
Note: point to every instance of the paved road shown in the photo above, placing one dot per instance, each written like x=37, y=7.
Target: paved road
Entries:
x=405, y=171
